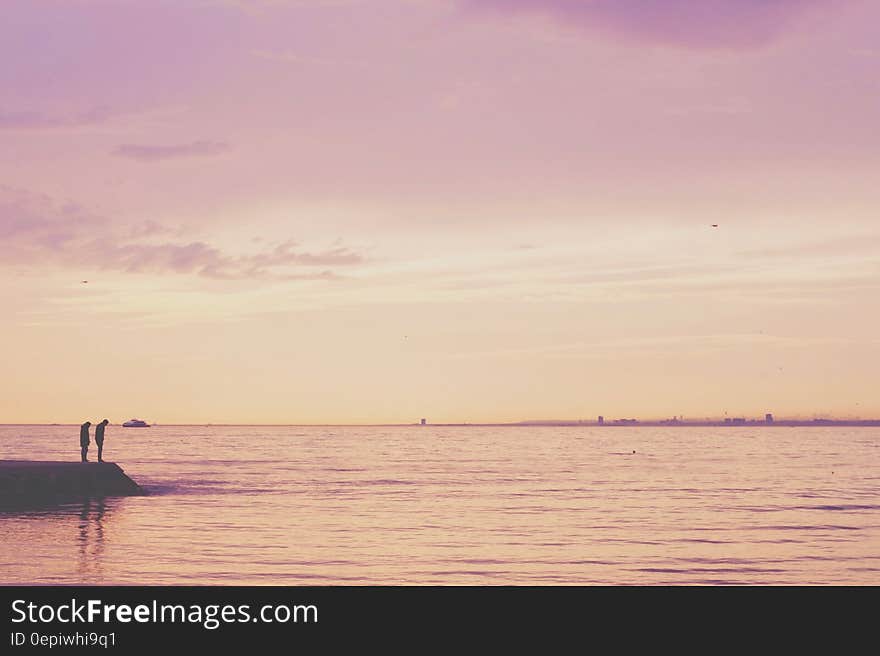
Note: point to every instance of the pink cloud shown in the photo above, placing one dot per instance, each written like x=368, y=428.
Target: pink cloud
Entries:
x=33, y=228
x=29, y=120
x=688, y=23
x=157, y=153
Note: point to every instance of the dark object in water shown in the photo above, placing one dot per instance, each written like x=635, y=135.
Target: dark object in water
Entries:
x=24, y=482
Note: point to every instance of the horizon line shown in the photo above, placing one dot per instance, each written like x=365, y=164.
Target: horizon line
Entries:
x=736, y=421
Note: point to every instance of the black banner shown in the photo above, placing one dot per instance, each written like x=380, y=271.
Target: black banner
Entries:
x=127, y=619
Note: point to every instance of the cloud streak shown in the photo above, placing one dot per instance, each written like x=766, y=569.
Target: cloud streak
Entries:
x=179, y=151
x=703, y=24
x=34, y=228
x=865, y=244
x=30, y=120
x=200, y=258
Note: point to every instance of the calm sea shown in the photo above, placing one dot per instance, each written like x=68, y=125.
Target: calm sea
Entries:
x=468, y=505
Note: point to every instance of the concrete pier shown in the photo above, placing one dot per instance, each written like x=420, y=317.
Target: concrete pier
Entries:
x=23, y=482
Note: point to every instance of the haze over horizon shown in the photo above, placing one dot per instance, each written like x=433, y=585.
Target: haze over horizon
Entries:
x=270, y=211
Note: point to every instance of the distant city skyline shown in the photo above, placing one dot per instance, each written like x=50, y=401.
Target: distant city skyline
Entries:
x=767, y=420
x=281, y=212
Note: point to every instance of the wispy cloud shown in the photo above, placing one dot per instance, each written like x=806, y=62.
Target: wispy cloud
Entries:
x=268, y=4
x=731, y=108
x=34, y=120
x=703, y=24
x=667, y=346
x=288, y=57
x=35, y=228
x=865, y=52
x=177, y=151
x=200, y=258
x=280, y=55
x=842, y=246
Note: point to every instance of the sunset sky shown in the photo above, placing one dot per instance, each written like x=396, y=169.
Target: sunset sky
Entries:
x=358, y=211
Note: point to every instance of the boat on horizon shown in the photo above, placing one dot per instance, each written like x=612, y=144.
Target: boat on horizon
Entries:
x=135, y=423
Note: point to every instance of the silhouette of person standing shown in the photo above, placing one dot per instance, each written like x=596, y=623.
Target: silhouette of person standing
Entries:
x=84, y=440
x=99, y=438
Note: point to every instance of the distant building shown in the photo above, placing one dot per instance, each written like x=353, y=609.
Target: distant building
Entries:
x=768, y=418
x=601, y=420
x=739, y=420
x=423, y=421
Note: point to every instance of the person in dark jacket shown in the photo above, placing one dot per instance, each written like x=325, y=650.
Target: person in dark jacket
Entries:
x=99, y=438
x=84, y=440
